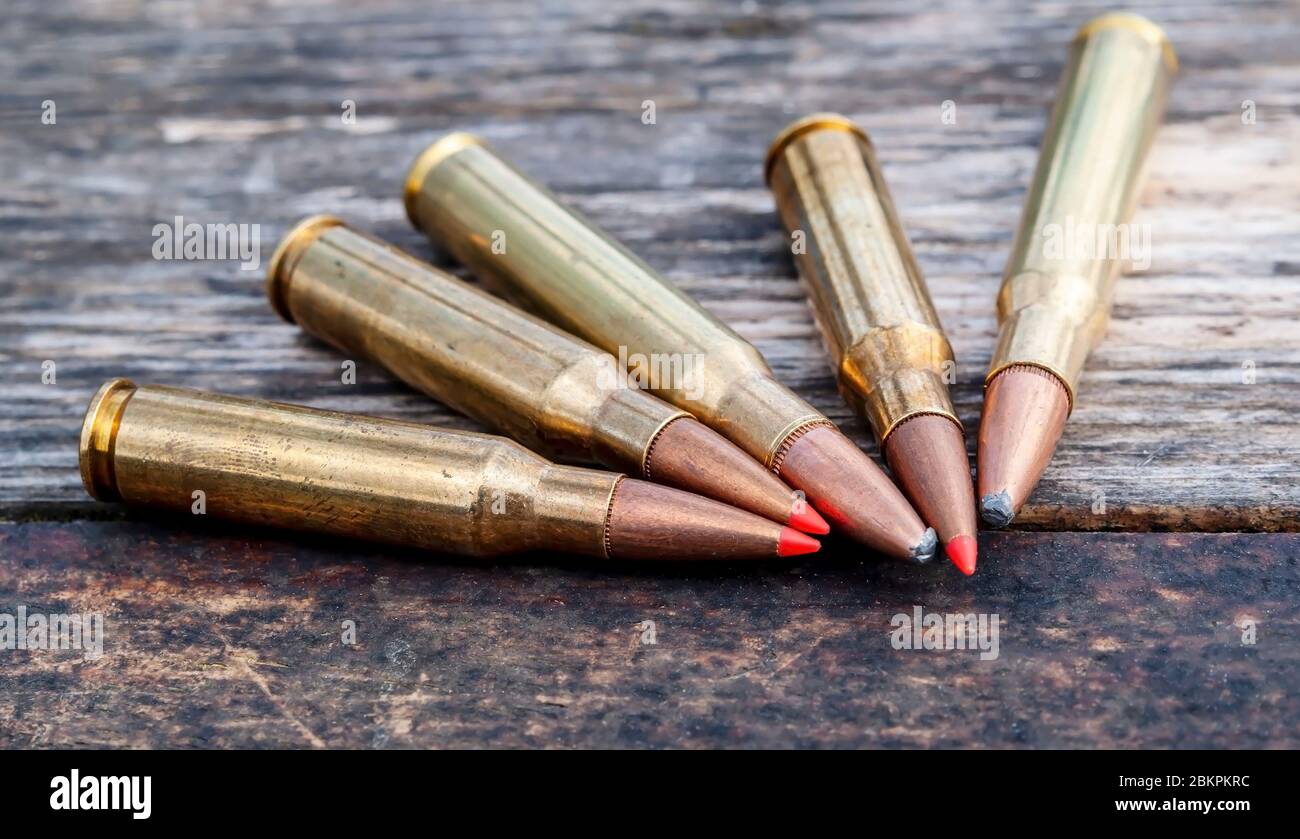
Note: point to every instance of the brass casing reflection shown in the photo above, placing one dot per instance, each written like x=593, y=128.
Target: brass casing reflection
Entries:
x=550, y=391
x=355, y=476
x=520, y=238
x=871, y=305
x=1055, y=301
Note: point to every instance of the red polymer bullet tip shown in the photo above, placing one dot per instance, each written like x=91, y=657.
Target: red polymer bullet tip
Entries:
x=808, y=520
x=962, y=550
x=794, y=543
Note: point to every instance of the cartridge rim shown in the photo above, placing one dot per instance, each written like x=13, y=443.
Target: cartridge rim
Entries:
x=424, y=163
x=96, y=451
x=826, y=121
x=1134, y=23
x=286, y=256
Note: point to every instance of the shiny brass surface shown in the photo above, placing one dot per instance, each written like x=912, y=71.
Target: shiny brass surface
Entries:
x=362, y=477
x=1053, y=306
x=518, y=237
x=868, y=297
x=550, y=391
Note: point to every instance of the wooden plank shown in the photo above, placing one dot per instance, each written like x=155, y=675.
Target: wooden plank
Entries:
x=216, y=639
x=235, y=117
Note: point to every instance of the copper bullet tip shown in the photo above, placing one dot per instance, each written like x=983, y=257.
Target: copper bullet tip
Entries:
x=1025, y=408
x=689, y=455
x=927, y=454
x=652, y=521
x=854, y=495
x=996, y=510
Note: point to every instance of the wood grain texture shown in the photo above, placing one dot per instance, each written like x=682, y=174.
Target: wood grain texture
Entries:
x=231, y=113
x=216, y=639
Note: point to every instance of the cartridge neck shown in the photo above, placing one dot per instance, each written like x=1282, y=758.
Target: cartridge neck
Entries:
x=630, y=421
x=895, y=372
x=759, y=414
x=1049, y=321
x=897, y=396
x=571, y=510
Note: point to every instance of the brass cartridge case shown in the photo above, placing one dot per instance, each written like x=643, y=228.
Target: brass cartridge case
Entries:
x=556, y=394
x=1055, y=300
x=868, y=297
x=551, y=258
x=362, y=477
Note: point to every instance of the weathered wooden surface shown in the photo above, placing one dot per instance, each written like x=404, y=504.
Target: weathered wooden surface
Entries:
x=231, y=113
x=219, y=640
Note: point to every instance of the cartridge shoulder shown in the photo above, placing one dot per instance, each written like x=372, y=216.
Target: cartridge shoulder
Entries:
x=1075, y=297
x=909, y=344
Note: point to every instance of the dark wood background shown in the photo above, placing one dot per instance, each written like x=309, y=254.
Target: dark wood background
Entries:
x=231, y=112
x=221, y=639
